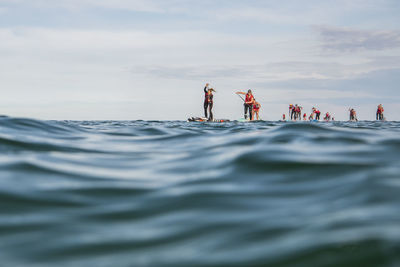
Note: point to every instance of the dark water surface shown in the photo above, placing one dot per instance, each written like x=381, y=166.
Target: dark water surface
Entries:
x=148, y=193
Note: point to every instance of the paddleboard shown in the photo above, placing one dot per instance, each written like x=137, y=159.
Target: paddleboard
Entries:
x=202, y=119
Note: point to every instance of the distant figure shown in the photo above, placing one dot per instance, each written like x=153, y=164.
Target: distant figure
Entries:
x=248, y=103
x=283, y=117
x=210, y=103
x=304, y=116
x=353, y=114
x=296, y=111
x=317, y=114
x=327, y=117
x=206, y=100
x=311, y=117
x=291, y=109
x=256, y=109
x=379, y=113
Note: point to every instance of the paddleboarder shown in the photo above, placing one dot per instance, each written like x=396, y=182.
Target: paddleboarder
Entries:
x=353, y=114
x=379, y=113
x=210, y=97
x=256, y=109
x=248, y=103
x=206, y=100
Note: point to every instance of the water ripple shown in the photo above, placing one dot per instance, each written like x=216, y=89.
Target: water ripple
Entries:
x=150, y=193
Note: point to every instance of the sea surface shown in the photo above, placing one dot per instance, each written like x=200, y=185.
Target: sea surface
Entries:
x=173, y=193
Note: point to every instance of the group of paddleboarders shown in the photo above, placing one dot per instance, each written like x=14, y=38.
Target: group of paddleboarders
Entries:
x=295, y=112
x=252, y=107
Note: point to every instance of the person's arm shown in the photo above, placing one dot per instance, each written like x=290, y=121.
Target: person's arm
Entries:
x=206, y=88
x=240, y=93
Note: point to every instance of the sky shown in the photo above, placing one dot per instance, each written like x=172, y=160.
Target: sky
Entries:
x=150, y=59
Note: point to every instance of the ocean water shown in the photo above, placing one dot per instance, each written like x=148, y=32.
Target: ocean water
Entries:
x=150, y=193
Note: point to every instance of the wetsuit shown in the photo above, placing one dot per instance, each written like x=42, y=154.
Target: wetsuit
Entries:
x=205, y=102
x=291, y=111
x=210, y=106
x=248, y=107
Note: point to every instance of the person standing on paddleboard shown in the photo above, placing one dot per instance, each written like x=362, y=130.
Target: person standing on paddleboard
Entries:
x=379, y=113
x=291, y=108
x=210, y=103
x=248, y=103
x=353, y=114
x=256, y=109
x=206, y=100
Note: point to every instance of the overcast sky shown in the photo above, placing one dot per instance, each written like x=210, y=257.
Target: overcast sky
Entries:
x=150, y=59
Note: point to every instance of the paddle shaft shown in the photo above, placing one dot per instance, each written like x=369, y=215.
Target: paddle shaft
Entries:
x=241, y=97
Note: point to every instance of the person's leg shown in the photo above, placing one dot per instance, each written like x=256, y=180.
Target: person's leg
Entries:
x=251, y=112
x=210, y=111
x=205, y=109
x=258, y=116
x=245, y=111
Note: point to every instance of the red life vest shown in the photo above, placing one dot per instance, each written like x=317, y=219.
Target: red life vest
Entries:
x=249, y=98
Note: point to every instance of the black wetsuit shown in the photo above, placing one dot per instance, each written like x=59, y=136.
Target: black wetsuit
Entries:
x=205, y=102
x=248, y=107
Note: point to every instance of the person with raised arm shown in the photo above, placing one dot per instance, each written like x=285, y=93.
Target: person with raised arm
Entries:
x=248, y=103
x=206, y=100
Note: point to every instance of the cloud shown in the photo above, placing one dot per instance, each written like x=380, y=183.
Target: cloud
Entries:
x=148, y=6
x=353, y=40
x=286, y=71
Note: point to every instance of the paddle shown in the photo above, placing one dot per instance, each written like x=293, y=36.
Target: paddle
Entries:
x=241, y=97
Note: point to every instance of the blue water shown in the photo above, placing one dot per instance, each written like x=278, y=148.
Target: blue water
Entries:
x=149, y=193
